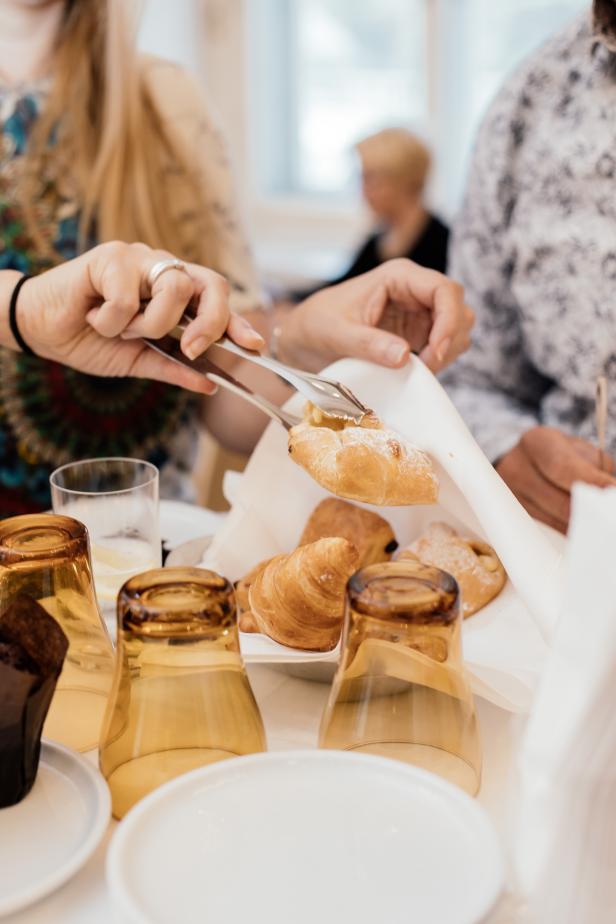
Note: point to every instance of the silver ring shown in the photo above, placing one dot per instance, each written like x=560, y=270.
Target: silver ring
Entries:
x=161, y=267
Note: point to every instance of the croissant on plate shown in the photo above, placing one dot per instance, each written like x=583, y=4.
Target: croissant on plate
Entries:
x=371, y=535
x=298, y=598
x=363, y=462
x=245, y=618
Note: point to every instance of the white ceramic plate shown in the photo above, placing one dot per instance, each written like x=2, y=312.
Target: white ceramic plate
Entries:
x=504, y=645
x=50, y=834
x=306, y=836
x=321, y=666
x=180, y=522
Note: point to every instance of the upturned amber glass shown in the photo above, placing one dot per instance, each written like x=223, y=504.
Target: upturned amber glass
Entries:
x=48, y=557
x=181, y=697
x=401, y=690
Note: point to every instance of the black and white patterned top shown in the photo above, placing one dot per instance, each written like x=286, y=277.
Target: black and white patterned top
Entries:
x=535, y=245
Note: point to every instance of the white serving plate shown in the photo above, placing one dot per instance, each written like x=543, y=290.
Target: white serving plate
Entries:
x=505, y=645
x=477, y=633
x=509, y=688
x=48, y=836
x=306, y=836
x=180, y=522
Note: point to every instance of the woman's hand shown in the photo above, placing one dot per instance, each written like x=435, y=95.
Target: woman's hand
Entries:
x=542, y=468
x=380, y=316
x=87, y=314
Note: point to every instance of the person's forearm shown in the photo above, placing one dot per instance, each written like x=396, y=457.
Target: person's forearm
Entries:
x=232, y=420
x=8, y=281
x=271, y=324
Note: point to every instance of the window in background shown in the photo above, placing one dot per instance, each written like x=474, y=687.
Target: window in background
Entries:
x=500, y=35
x=479, y=44
x=333, y=71
x=326, y=72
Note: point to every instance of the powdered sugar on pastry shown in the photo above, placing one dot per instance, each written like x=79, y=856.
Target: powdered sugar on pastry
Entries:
x=365, y=463
x=474, y=564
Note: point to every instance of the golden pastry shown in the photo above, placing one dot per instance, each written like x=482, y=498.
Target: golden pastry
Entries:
x=371, y=535
x=474, y=564
x=298, y=599
x=245, y=618
x=362, y=462
x=247, y=622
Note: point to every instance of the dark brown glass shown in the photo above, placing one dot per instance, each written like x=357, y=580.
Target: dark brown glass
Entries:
x=401, y=690
x=181, y=697
x=47, y=558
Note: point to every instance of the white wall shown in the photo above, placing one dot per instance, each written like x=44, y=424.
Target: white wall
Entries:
x=174, y=29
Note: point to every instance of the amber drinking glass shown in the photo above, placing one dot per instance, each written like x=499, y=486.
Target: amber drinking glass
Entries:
x=48, y=558
x=401, y=690
x=181, y=697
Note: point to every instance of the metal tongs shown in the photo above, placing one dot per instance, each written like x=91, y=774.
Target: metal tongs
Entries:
x=333, y=398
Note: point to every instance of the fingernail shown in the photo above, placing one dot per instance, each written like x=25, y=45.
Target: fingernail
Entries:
x=195, y=347
x=443, y=349
x=251, y=330
x=395, y=353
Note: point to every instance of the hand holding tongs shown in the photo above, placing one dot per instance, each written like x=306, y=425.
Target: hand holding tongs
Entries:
x=332, y=398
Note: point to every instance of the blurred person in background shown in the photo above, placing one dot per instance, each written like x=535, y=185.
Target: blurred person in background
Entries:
x=535, y=248
x=99, y=143
x=394, y=171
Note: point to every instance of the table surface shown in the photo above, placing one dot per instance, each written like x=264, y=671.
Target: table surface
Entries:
x=291, y=710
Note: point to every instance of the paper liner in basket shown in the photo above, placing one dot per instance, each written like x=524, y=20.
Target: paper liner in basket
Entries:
x=504, y=644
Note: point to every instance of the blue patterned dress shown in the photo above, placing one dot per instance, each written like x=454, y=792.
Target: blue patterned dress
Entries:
x=49, y=414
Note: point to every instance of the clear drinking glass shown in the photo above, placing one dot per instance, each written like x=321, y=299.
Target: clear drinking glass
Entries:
x=181, y=697
x=400, y=689
x=47, y=557
x=117, y=499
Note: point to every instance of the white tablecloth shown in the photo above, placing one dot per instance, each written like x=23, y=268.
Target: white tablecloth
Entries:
x=291, y=711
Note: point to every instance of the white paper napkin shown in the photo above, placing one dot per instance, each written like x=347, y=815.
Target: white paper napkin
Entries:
x=504, y=645
x=566, y=843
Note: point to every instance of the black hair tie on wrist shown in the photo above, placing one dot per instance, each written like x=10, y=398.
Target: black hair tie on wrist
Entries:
x=13, y=317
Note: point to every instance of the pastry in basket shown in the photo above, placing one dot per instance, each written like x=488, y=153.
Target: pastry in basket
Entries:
x=474, y=564
x=245, y=618
x=32, y=652
x=362, y=462
x=371, y=535
x=298, y=599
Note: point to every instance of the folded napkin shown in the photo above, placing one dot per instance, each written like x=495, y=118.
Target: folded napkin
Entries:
x=504, y=644
x=565, y=849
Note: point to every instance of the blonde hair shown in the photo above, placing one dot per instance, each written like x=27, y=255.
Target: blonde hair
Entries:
x=397, y=152
x=100, y=128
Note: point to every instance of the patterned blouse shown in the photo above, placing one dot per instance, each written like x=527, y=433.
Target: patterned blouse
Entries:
x=535, y=245
x=50, y=414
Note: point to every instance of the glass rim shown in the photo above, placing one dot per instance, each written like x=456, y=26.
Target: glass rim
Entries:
x=141, y=611
x=76, y=535
x=401, y=604
x=153, y=473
